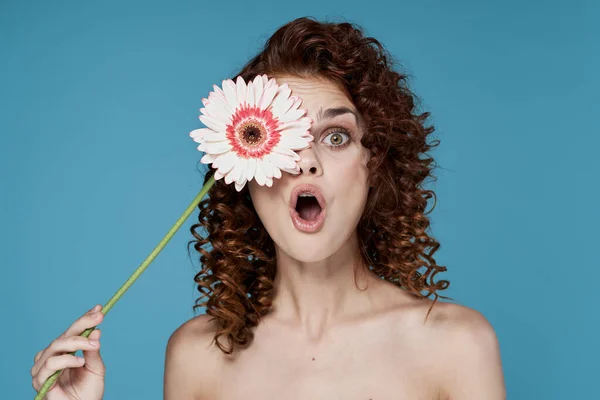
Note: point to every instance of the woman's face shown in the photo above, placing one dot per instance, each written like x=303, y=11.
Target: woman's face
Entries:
x=334, y=164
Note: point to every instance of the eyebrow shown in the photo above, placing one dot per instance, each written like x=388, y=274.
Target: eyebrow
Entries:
x=334, y=112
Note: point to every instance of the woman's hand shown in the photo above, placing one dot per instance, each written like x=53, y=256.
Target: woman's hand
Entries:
x=81, y=378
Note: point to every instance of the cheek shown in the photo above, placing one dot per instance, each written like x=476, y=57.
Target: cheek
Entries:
x=266, y=201
x=353, y=175
x=257, y=195
x=351, y=187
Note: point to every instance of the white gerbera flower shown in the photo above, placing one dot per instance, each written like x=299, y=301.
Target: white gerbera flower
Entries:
x=252, y=131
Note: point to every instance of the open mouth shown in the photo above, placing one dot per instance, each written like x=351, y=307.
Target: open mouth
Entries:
x=307, y=208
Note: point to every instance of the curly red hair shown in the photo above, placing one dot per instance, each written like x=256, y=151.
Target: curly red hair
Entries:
x=236, y=253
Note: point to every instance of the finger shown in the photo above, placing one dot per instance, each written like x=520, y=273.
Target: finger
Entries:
x=94, y=309
x=36, y=365
x=95, y=335
x=37, y=356
x=64, y=345
x=53, y=364
x=97, y=307
x=87, y=320
x=93, y=359
x=42, y=354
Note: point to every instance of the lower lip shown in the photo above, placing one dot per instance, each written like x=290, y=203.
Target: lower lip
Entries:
x=307, y=226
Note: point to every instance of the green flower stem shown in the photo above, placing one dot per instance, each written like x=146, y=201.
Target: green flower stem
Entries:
x=136, y=274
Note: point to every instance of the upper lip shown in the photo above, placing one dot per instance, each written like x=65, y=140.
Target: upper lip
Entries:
x=306, y=188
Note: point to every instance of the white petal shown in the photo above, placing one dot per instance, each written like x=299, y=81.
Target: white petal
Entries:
x=230, y=93
x=268, y=168
x=215, y=147
x=284, y=151
x=296, y=124
x=207, y=135
x=220, y=101
x=218, y=93
x=269, y=182
x=282, y=102
x=241, y=89
x=235, y=171
x=228, y=178
x=218, y=112
x=270, y=82
x=205, y=101
x=258, y=89
x=291, y=115
x=284, y=88
x=213, y=123
x=198, y=134
x=280, y=161
x=215, y=137
x=250, y=168
x=295, y=171
x=240, y=172
x=207, y=159
x=225, y=162
x=296, y=102
x=268, y=95
x=277, y=173
x=259, y=175
x=265, y=79
x=250, y=95
x=218, y=175
x=296, y=132
x=240, y=185
x=294, y=142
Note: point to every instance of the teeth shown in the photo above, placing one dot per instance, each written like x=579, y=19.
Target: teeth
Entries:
x=305, y=195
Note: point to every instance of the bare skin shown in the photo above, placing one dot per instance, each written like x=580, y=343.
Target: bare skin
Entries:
x=389, y=353
x=325, y=338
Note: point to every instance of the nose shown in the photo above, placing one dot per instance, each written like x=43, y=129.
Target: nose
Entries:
x=309, y=162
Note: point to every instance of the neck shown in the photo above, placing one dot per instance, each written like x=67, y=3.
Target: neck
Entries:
x=315, y=295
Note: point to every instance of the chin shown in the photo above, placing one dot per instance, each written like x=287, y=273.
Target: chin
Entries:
x=308, y=256
x=310, y=248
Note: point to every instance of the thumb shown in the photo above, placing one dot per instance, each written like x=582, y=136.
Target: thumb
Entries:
x=93, y=359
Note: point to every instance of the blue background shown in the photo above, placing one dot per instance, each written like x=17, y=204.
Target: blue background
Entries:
x=96, y=102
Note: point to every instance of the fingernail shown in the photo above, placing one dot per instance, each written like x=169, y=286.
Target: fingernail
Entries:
x=94, y=343
x=81, y=360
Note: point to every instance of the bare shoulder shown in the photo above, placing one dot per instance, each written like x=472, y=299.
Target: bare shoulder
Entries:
x=459, y=321
x=199, y=327
x=191, y=360
x=461, y=330
x=467, y=352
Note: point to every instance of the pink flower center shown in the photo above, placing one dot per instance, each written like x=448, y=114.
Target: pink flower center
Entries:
x=253, y=132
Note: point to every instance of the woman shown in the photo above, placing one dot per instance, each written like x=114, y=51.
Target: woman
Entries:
x=340, y=308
